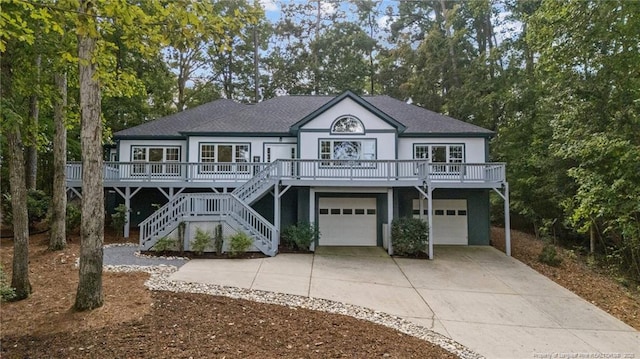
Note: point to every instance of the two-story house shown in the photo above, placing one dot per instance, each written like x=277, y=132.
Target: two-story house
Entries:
x=349, y=163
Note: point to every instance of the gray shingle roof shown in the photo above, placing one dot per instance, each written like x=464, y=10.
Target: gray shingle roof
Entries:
x=172, y=125
x=278, y=114
x=274, y=115
x=419, y=120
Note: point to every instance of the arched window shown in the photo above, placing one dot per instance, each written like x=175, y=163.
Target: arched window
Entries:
x=347, y=124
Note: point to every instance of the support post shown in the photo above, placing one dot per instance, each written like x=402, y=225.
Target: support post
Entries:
x=389, y=219
x=127, y=195
x=127, y=214
x=276, y=210
x=507, y=221
x=312, y=213
x=75, y=191
x=430, y=217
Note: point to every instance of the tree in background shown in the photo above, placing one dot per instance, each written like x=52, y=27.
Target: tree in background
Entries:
x=58, y=234
x=14, y=103
x=198, y=30
x=588, y=59
x=231, y=59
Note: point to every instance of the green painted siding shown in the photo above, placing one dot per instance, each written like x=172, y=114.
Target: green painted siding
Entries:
x=303, y=204
x=381, y=208
x=141, y=204
x=264, y=206
x=288, y=208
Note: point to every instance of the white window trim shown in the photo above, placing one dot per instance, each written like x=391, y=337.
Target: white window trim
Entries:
x=448, y=166
x=224, y=167
x=362, y=162
x=347, y=117
x=163, y=167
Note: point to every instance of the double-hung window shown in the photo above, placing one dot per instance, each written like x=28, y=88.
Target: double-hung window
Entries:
x=444, y=158
x=224, y=158
x=155, y=160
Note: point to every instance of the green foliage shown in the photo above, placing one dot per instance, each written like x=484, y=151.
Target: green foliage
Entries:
x=549, y=255
x=6, y=292
x=201, y=241
x=409, y=236
x=37, y=206
x=119, y=218
x=239, y=243
x=592, y=114
x=300, y=236
x=73, y=217
x=164, y=244
x=218, y=239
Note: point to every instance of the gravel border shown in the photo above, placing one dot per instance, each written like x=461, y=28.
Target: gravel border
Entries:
x=128, y=254
x=159, y=280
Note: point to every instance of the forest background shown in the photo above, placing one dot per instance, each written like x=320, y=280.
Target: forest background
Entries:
x=558, y=81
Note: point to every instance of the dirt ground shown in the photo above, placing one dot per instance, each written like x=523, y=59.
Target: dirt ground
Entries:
x=137, y=323
x=575, y=275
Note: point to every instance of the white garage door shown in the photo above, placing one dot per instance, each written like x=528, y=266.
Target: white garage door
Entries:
x=449, y=220
x=347, y=221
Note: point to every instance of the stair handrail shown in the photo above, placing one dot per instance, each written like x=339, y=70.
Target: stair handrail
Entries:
x=268, y=173
x=265, y=232
x=262, y=228
x=183, y=205
x=167, y=213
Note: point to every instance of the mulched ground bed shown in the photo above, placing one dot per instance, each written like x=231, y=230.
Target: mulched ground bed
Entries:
x=574, y=274
x=198, y=325
x=138, y=323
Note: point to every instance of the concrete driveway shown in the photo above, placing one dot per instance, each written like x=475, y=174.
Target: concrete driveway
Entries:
x=491, y=303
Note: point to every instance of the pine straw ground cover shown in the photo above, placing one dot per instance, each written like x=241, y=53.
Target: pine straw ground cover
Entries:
x=138, y=323
x=575, y=275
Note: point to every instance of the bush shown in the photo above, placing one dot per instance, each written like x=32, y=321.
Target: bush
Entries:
x=549, y=255
x=218, y=240
x=239, y=243
x=73, y=218
x=409, y=236
x=6, y=292
x=119, y=218
x=164, y=244
x=300, y=236
x=201, y=241
x=37, y=206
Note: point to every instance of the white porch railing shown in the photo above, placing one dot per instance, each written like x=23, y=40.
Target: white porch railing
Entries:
x=381, y=170
x=171, y=171
x=392, y=170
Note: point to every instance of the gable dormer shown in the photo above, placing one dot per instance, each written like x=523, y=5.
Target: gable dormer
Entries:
x=347, y=104
x=347, y=127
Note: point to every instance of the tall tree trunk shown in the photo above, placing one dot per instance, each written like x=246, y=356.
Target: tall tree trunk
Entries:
x=256, y=72
x=371, y=64
x=57, y=239
x=182, y=81
x=31, y=151
x=316, y=53
x=450, y=45
x=20, y=276
x=592, y=238
x=89, y=294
